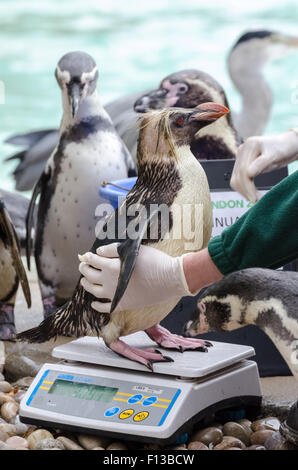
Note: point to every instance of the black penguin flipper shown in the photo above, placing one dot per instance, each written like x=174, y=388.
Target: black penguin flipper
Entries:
x=16, y=156
x=41, y=183
x=28, y=139
x=128, y=252
x=7, y=228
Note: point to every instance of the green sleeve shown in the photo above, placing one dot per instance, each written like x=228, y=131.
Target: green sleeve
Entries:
x=266, y=236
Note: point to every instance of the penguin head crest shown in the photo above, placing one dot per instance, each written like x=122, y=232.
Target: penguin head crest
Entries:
x=174, y=127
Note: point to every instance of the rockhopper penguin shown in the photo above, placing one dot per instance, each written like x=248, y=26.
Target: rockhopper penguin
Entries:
x=89, y=151
x=169, y=176
x=11, y=273
x=263, y=297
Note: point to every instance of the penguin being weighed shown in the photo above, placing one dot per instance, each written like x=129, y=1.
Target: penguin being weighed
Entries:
x=89, y=151
x=12, y=272
x=168, y=175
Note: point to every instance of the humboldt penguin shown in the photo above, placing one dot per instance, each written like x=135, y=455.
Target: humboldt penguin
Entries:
x=255, y=296
x=187, y=89
x=169, y=179
x=89, y=151
x=12, y=272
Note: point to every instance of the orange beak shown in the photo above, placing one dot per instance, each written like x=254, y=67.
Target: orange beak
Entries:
x=210, y=111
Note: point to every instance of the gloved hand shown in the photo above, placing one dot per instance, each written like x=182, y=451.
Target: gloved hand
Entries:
x=156, y=278
x=260, y=155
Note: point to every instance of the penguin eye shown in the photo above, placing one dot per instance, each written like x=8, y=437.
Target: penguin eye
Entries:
x=183, y=88
x=180, y=122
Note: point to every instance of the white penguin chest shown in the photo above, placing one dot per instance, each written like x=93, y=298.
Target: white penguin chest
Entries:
x=191, y=213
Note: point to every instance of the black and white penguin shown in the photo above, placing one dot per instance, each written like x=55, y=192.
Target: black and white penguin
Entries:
x=187, y=89
x=89, y=151
x=169, y=177
x=246, y=62
x=263, y=297
x=12, y=272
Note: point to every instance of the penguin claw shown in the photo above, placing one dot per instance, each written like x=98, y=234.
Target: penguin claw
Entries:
x=166, y=358
x=149, y=364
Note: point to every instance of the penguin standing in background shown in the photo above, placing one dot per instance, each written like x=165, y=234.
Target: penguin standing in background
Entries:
x=89, y=152
x=184, y=89
x=255, y=296
x=11, y=273
x=169, y=177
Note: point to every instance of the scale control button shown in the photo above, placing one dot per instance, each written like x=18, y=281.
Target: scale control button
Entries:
x=141, y=416
x=126, y=414
x=112, y=411
x=149, y=401
x=135, y=398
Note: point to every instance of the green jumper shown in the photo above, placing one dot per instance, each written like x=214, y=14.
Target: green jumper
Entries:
x=266, y=236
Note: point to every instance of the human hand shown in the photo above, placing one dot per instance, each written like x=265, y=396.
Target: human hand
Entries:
x=260, y=155
x=156, y=278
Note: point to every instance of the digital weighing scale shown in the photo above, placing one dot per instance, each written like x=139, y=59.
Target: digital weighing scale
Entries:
x=93, y=390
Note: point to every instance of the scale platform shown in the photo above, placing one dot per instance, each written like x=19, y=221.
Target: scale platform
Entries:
x=93, y=390
x=90, y=350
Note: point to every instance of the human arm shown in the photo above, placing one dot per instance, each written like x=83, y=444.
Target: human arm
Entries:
x=261, y=154
x=265, y=236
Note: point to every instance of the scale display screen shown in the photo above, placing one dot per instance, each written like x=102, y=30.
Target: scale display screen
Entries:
x=83, y=391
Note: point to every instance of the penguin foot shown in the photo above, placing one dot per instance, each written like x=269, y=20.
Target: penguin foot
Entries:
x=146, y=357
x=168, y=340
x=7, y=326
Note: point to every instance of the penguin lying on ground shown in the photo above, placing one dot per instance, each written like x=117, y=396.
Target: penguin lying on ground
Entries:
x=262, y=297
x=169, y=177
x=89, y=151
x=11, y=273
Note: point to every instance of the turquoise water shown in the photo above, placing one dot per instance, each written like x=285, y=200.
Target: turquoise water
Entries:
x=135, y=44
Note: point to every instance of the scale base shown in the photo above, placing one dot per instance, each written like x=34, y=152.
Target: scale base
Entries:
x=250, y=404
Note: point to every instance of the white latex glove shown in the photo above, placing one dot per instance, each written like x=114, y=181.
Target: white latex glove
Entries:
x=260, y=155
x=156, y=278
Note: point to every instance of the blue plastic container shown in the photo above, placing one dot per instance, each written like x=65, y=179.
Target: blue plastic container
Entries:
x=115, y=194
